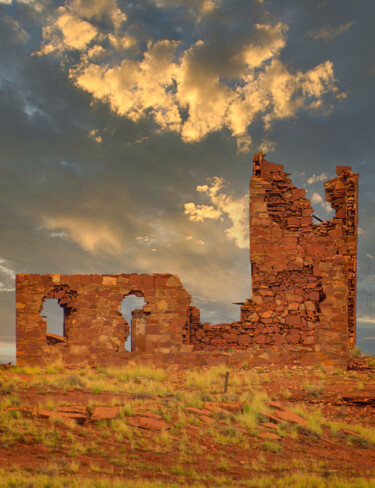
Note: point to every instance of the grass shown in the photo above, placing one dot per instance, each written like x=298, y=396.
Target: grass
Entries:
x=73, y=453
x=356, y=351
x=20, y=479
x=253, y=412
x=314, y=389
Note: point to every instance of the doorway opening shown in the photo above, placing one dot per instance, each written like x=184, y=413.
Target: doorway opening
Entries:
x=53, y=314
x=131, y=309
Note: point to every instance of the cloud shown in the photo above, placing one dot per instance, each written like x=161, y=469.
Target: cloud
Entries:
x=267, y=146
x=7, y=349
x=233, y=212
x=366, y=319
x=318, y=199
x=68, y=33
x=92, y=235
x=94, y=134
x=12, y=32
x=7, y=276
x=198, y=8
x=314, y=178
x=199, y=213
x=194, y=87
x=328, y=33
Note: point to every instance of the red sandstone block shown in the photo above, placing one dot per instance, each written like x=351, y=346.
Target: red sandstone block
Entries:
x=293, y=222
x=148, y=281
x=298, y=193
x=85, y=279
x=160, y=280
x=341, y=213
x=135, y=279
x=276, y=231
x=342, y=169
x=259, y=339
x=314, y=296
x=289, y=248
x=230, y=337
x=244, y=339
x=217, y=340
x=115, y=296
x=256, y=248
x=306, y=220
x=293, y=320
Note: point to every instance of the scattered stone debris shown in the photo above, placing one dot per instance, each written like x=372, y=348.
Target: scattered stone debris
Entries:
x=269, y=436
x=148, y=423
x=104, y=413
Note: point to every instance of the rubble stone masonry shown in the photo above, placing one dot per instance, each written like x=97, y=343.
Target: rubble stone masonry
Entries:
x=303, y=273
x=94, y=329
x=302, y=309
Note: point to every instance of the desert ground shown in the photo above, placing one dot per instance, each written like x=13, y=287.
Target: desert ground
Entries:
x=139, y=426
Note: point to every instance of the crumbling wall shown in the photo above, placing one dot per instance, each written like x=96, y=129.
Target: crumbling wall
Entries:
x=302, y=307
x=94, y=329
x=303, y=273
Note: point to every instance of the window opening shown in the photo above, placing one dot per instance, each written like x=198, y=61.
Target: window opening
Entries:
x=53, y=314
x=128, y=305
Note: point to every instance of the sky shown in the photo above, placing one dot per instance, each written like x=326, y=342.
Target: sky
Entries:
x=127, y=131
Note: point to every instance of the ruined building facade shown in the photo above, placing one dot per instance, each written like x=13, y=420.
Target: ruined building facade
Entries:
x=302, y=309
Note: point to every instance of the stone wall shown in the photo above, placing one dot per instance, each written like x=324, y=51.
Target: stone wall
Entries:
x=303, y=273
x=302, y=307
x=94, y=329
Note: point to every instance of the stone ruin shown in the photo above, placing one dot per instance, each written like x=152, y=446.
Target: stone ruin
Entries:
x=302, y=309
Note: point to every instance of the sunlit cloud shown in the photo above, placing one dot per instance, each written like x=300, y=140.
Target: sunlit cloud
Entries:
x=327, y=33
x=314, y=178
x=94, y=134
x=198, y=8
x=317, y=199
x=173, y=83
x=7, y=348
x=267, y=146
x=232, y=211
x=92, y=235
x=366, y=319
x=7, y=276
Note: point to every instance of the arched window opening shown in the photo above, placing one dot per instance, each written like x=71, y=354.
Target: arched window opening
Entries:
x=131, y=309
x=53, y=314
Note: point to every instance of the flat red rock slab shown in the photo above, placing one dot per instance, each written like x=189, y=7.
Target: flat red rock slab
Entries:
x=291, y=417
x=276, y=405
x=231, y=407
x=104, y=413
x=51, y=414
x=20, y=409
x=198, y=411
x=268, y=425
x=271, y=417
x=207, y=420
x=269, y=435
x=151, y=415
x=213, y=407
x=350, y=432
x=72, y=409
x=148, y=423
